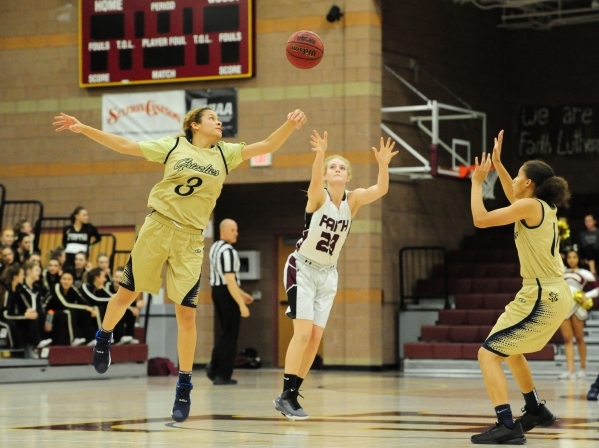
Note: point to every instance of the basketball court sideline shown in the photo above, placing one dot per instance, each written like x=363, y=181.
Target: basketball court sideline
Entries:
x=346, y=409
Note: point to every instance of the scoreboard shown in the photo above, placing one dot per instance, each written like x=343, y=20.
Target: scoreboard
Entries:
x=124, y=42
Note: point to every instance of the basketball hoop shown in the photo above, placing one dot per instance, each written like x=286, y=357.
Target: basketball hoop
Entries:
x=488, y=183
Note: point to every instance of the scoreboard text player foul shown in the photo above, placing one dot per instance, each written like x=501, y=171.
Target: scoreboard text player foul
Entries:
x=124, y=42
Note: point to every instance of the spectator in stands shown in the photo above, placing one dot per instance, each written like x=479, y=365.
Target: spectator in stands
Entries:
x=79, y=236
x=7, y=258
x=24, y=226
x=103, y=262
x=82, y=267
x=124, y=332
x=36, y=258
x=59, y=254
x=22, y=247
x=82, y=319
x=579, y=280
x=50, y=275
x=589, y=242
x=94, y=291
x=34, y=295
x=7, y=238
x=28, y=316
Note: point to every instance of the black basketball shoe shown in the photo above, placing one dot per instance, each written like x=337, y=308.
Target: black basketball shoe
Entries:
x=180, y=410
x=529, y=421
x=500, y=435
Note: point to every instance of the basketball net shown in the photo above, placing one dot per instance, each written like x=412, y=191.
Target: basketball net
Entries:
x=488, y=183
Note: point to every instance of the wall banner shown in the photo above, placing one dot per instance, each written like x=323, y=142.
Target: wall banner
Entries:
x=568, y=131
x=221, y=101
x=144, y=116
x=153, y=115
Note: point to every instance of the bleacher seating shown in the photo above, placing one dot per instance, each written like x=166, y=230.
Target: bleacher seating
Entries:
x=483, y=276
x=48, y=236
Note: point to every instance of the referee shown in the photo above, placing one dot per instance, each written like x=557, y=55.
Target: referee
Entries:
x=230, y=303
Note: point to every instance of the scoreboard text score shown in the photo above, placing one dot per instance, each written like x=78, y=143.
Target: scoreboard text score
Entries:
x=124, y=42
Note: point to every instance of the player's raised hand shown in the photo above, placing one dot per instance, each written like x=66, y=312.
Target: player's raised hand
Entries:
x=481, y=170
x=66, y=122
x=319, y=144
x=497, y=149
x=298, y=117
x=385, y=154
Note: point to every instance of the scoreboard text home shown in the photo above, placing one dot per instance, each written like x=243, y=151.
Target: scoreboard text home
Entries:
x=125, y=42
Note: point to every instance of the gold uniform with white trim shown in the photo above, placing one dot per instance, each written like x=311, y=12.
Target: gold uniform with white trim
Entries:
x=539, y=308
x=182, y=203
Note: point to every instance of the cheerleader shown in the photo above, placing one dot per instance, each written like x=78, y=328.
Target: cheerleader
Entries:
x=579, y=280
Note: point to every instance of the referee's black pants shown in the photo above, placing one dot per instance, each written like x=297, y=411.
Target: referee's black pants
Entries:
x=225, y=346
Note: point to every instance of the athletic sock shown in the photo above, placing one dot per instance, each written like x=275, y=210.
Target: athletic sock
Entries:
x=504, y=415
x=106, y=334
x=298, y=382
x=184, y=377
x=289, y=381
x=532, y=402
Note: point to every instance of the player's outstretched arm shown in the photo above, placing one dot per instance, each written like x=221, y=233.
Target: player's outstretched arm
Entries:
x=527, y=209
x=115, y=142
x=316, y=195
x=504, y=176
x=361, y=196
x=295, y=120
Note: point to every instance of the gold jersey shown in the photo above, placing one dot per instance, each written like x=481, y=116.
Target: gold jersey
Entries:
x=538, y=247
x=193, y=178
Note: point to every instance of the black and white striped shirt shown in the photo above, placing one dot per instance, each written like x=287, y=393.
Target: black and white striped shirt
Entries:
x=223, y=260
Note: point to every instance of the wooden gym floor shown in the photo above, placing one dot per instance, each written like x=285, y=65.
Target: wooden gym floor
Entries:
x=346, y=409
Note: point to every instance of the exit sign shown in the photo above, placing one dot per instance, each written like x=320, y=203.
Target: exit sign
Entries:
x=261, y=160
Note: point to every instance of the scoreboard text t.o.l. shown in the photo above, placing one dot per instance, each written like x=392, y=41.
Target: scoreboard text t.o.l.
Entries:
x=124, y=42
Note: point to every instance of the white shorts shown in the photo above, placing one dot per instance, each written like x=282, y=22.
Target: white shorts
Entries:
x=310, y=288
x=579, y=312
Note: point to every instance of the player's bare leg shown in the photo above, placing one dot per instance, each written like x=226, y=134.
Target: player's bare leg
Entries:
x=310, y=352
x=115, y=310
x=186, y=345
x=287, y=403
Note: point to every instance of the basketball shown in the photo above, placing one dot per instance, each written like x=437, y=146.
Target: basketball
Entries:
x=304, y=49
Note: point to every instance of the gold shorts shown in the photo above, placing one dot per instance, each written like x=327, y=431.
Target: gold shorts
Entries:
x=531, y=319
x=162, y=240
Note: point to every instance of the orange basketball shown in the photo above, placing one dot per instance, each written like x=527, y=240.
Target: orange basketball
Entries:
x=304, y=49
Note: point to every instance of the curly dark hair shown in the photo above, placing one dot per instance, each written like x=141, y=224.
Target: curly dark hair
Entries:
x=548, y=187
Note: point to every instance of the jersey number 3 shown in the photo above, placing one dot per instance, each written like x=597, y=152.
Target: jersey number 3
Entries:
x=192, y=184
x=327, y=244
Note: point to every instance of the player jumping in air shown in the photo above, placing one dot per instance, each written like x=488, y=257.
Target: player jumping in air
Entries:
x=311, y=271
x=195, y=167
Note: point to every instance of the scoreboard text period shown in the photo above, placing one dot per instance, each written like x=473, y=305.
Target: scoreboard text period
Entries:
x=123, y=42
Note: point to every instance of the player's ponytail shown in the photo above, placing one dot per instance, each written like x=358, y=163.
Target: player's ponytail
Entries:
x=548, y=187
x=193, y=116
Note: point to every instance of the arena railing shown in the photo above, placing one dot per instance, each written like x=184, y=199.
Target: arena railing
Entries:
x=2, y=199
x=32, y=211
x=50, y=237
x=422, y=276
x=50, y=234
x=119, y=258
